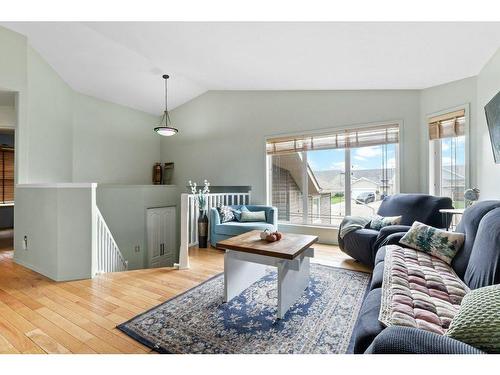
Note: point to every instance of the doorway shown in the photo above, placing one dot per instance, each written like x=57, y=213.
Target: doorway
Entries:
x=7, y=163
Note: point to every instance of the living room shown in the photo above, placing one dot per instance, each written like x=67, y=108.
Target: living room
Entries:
x=239, y=187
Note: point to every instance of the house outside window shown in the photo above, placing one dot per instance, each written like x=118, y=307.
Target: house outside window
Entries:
x=318, y=179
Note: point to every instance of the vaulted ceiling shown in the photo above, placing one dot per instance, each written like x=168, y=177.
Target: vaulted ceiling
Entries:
x=123, y=61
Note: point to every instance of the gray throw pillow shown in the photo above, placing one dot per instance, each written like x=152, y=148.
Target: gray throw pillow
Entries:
x=247, y=216
x=436, y=242
x=237, y=213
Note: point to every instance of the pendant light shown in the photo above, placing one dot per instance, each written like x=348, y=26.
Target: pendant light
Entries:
x=165, y=128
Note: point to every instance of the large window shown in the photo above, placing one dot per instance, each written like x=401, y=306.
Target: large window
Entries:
x=318, y=179
x=447, y=160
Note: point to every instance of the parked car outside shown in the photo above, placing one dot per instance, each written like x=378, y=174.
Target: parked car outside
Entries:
x=365, y=198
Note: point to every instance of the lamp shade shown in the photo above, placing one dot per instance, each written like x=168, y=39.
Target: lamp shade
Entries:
x=166, y=131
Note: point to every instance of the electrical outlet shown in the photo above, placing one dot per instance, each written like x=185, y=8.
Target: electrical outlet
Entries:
x=25, y=243
x=137, y=248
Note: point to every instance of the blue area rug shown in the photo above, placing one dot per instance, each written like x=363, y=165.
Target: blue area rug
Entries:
x=198, y=321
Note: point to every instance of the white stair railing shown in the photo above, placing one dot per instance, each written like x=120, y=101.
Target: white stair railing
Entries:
x=109, y=256
x=190, y=214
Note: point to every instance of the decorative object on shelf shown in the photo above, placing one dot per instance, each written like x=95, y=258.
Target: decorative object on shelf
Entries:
x=168, y=172
x=269, y=236
x=165, y=128
x=157, y=173
x=201, y=201
x=471, y=196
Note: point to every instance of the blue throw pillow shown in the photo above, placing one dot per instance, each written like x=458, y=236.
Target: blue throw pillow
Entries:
x=237, y=213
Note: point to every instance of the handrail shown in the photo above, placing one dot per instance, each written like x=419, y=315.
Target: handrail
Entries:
x=109, y=256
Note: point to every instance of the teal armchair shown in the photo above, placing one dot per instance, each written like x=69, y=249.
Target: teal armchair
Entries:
x=221, y=231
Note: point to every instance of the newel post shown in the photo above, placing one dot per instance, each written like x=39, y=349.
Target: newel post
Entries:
x=184, y=247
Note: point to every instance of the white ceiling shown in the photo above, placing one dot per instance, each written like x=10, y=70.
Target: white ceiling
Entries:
x=123, y=61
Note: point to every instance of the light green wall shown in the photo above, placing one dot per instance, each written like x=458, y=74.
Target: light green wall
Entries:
x=64, y=136
x=7, y=116
x=222, y=133
x=57, y=222
x=112, y=143
x=488, y=173
x=124, y=208
x=13, y=77
x=50, y=122
x=441, y=98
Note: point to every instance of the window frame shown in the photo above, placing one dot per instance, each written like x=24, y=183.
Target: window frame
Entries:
x=347, y=161
x=434, y=152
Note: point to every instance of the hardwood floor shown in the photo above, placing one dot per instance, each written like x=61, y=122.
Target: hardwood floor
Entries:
x=42, y=316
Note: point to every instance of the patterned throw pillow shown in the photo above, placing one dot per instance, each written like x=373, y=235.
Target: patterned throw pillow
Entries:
x=437, y=242
x=378, y=222
x=478, y=320
x=226, y=214
x=253, y=216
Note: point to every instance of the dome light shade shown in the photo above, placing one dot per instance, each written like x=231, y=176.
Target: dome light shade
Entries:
x=166, y=131
x=165, y=128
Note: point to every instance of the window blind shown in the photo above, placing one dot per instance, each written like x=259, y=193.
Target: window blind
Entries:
x=6, y=174
x=448, y=125
x=349, y=138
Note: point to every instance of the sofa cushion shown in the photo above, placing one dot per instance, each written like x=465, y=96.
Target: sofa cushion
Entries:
x=234, y=228
x=478, y=320
x=483, y=268
x=469, y=225
x=415, y=207
x=437, y=242
x=367, y=326
x=419, y=290
x=359, y=245
x=377, y=276
x=380, y=255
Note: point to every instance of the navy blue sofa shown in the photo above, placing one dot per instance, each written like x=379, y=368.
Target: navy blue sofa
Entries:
x=363, y=244
x=477, y=263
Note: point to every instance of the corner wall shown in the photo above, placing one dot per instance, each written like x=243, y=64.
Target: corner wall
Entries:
x=488, y=173
x=57, y=220
x=50, y=122
x=112, y=143
x=64, y=136
x=440, y=98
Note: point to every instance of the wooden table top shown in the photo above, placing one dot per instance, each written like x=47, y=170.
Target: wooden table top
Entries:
x=289, y=247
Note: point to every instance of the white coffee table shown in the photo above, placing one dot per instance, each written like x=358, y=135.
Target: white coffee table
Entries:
x=247, y=257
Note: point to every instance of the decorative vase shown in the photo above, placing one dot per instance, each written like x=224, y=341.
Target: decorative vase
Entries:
x=202, y=229
x=157, y=174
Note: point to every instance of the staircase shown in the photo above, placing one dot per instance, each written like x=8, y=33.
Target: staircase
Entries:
x=109, y=256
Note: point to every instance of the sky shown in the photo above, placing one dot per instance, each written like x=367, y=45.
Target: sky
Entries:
x=361, y=158
x=448, y=148
x=371, y=157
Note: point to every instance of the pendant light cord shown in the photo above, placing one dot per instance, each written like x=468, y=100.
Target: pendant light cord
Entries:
x=167, y=120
